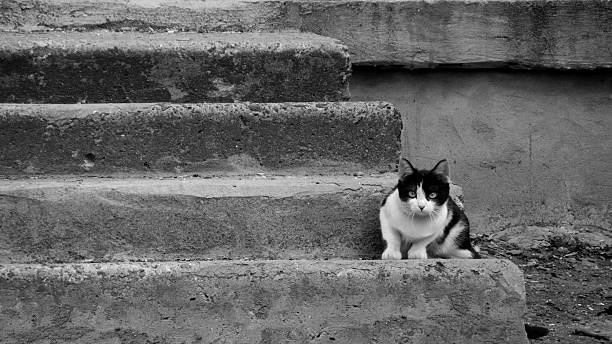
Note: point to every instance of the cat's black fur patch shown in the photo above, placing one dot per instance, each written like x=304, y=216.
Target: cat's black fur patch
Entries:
x=462, y=240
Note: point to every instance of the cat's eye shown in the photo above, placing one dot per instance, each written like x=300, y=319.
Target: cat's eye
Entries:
x=411, y=194
x=433, y=195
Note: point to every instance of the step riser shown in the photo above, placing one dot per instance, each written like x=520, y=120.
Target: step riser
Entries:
x=265, y=302
x=562, y=34
x=130, y=67
x=197, y=137
x=116, y=226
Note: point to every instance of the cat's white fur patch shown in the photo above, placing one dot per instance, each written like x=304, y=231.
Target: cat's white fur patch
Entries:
x=419, y=230
x=396, y=212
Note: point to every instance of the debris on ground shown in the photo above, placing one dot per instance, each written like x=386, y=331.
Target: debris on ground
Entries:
x=599, y=330
x=567, y=280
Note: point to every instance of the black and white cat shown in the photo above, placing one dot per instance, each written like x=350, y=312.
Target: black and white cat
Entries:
x=419, y=213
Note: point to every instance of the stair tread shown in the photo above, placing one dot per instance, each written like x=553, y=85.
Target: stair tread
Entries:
x=158, y=41
x=130, y=67
x=233, y=186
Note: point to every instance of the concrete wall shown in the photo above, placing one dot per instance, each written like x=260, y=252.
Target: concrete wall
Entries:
x=528, y=147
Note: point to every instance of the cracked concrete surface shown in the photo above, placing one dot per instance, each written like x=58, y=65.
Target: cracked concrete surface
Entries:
x=266, y=302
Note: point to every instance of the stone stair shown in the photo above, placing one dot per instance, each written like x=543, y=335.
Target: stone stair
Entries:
x=204, y=138
x=273, y=301
x=181, y=187
x=136, y=67
x=506, y=33
x=250, y=217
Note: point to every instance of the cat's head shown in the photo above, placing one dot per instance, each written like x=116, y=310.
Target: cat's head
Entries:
x=424, y=192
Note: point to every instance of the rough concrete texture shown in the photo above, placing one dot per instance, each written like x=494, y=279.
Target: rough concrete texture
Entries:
x=532, y=33
x=239, y=137
x=538, y=238
x=422, y=301
x=528, y=148
x=120, y=67
x=103, y=219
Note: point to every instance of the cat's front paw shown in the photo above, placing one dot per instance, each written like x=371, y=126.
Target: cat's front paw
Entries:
x=417, y=254
x=391, y=255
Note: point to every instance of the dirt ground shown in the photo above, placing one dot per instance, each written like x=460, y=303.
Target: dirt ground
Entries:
x=568, y=274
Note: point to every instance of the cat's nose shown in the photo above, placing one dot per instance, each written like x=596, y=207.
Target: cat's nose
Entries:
x=421, y=207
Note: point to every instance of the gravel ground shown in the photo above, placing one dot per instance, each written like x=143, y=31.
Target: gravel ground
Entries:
x=568, y=274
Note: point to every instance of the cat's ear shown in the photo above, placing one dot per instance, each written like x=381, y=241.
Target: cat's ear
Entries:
x=405, y=167
x=441, y=169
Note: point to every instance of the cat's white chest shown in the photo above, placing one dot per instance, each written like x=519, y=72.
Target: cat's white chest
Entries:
x=397, y=217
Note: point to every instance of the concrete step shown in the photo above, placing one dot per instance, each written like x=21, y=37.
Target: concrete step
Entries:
x=106, y=219
x=494, y=33
x=118, y=67
x=198, y=138
x=422, y=301
x=261, y=217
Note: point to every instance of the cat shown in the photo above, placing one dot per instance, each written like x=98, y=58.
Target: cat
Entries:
x=419, y=212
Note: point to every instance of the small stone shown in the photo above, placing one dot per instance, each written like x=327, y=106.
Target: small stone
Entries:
x=254, y=107
x=563, y=249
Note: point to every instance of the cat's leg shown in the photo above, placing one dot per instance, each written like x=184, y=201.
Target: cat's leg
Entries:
x=418, y=250
x=393, y=239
